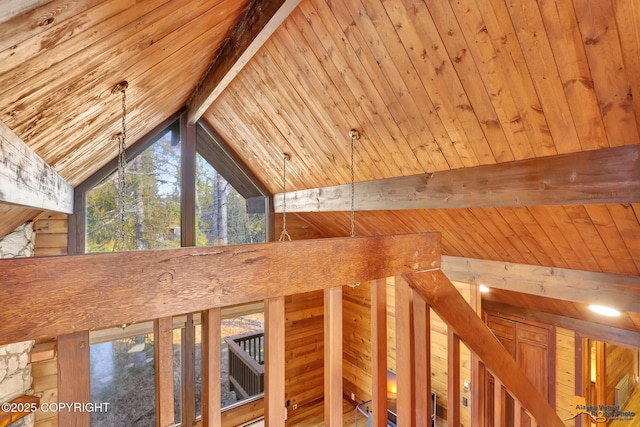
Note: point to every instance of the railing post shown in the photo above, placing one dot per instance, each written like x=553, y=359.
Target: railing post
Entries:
x=163, y=353
x=211, y=337
x=421, y=331
x=73, y=375
x=453, y=378
x=379, y=351
x=274, y=362
x=404, y=361
x=333, y=357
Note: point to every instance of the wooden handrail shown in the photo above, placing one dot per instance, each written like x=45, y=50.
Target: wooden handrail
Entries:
x=48, y=297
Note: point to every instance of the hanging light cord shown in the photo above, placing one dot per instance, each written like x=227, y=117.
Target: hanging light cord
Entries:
x=121, y=88
x=284, y=235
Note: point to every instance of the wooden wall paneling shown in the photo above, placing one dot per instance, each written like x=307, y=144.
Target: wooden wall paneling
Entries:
x=211, y=367
x=610, y=81
x=359, y=349
x=51, y=231
x=163, y=355
x=619, y=361
x=274, y=406
x=242, y=414
x=453, y=378
x=379, y=351
x=421, y=350
x=73, y=375
x=304, y=349
x=404, y=362
x=333, y=356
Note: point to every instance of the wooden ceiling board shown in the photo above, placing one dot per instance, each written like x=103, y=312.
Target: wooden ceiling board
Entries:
x=520, y=235
x=56, y=92
x=13, y=216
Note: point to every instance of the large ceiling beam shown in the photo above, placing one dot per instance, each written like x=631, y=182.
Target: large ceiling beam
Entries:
x=47, y=297
x=584, y=287
x=26, y=180
x=446, y=301
x=597, y=331
x=610, y=175
x=256, y=26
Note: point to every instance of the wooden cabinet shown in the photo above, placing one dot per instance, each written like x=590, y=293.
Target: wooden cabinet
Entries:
x=532, y=345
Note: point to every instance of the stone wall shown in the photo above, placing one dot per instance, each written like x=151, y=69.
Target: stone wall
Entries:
x=15, y=370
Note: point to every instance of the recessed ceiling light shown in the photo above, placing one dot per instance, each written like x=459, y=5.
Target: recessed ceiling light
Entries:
x=605, y=311
x=484, y=289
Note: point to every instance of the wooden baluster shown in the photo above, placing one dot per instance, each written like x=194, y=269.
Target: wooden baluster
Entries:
x=422, y=360
x=379, y=351
x=404, y=362
x=453, y=379
x=274, y=407
x=333, y=357
x=163, y=354
x=211, y=337
x=499, y=401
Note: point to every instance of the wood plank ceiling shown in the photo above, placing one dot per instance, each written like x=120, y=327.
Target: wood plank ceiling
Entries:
x=430, y=85
x=445, y=85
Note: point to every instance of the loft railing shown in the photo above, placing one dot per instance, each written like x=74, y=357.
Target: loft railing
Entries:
x=70, y=295
x=246, y=363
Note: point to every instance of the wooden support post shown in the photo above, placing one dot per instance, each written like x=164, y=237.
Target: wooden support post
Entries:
x=274, y=408
x=601, y=375
x=478, y=372
x=421, y=332
x=211, y=338
x=499, y=403
x=163, y=354
x=188, y=372
x=403, y=353
x=73, y=377
x=453, y=378
x=333, y=357
x=379, y=351
x=188, y=183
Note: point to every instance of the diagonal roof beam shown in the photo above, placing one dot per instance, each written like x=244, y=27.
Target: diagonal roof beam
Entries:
x=584, y=287
x=447, y=302
x=261, y=19
x=610, y=175
x=27, y=180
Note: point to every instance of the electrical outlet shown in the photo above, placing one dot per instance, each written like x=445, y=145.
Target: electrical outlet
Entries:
x=295, y=406
x=466, y=385
x=353, y=397
x=465, y=402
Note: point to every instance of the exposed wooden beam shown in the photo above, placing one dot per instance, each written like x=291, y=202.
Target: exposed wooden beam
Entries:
x=598, y=331
x=610, y=175
x=48, y=297
x=445, y=300
x=27, y=180
x=585, y=287
x=261, y=19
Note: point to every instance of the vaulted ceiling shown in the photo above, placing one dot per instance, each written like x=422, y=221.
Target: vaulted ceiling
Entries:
x=432, y=86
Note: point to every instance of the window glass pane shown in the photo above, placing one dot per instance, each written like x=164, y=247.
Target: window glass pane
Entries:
x=223, y=216
x=152, y=202
x=242, y=358
x=122, y=373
